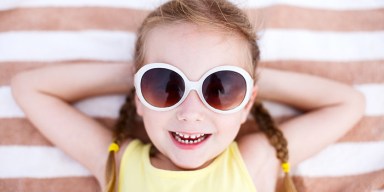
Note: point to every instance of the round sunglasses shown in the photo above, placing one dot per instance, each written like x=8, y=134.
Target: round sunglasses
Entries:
x=223, y=89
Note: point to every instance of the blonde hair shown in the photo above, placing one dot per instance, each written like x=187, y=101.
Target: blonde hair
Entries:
x=217, y=14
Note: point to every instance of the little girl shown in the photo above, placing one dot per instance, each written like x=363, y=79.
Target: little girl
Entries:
x=195, y=82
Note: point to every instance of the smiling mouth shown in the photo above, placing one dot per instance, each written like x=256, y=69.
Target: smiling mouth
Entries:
x=189, y=139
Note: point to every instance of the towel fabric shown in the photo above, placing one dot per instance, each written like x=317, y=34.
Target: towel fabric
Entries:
x=340, y=40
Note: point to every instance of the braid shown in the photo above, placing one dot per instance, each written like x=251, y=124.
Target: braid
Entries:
x=276, y=139
x=122, y=129
x=126, y=120
x=268, y=126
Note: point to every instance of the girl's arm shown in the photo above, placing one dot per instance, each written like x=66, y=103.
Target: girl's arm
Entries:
x=330, y=110
x=45, y=95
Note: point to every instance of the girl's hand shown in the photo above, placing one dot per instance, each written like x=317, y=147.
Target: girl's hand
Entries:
x=44, y=96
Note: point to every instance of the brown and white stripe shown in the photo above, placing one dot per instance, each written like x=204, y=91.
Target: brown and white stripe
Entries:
x=340, y=39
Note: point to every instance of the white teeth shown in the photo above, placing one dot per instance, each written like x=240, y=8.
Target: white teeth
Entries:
x=187, y=136
x=184, y=138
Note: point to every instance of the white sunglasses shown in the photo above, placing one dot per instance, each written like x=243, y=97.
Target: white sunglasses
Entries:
x=163, y=87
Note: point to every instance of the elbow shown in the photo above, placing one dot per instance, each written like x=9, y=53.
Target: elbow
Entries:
x=19, y=87
x=360, y=103
x=357, y=105
x=16, y=88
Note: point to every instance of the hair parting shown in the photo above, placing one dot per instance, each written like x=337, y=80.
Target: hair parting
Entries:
x=219, y=15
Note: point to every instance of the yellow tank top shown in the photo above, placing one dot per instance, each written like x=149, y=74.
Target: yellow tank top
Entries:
x=226, y=173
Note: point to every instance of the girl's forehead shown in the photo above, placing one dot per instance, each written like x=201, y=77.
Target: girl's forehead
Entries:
x=188, y=34
x=193, y=47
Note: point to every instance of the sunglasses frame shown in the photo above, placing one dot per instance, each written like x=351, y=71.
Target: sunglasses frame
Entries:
x=193, y=85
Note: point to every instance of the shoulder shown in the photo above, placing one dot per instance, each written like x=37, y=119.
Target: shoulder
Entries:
x=255, y=149
x=123, y=147
x=118, y=157
x=259, y=157
x=131, y=150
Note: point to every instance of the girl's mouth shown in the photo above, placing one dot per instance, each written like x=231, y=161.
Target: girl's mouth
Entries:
x=192, y=140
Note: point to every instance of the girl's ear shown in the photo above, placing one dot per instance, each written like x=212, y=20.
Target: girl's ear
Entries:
x=250, y=103
x=139, y=106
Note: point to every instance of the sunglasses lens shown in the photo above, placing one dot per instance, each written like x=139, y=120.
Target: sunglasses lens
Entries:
x=224, y=90
x=162, y=87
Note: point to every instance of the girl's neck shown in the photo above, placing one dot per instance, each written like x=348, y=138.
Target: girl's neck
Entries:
x=160, y=161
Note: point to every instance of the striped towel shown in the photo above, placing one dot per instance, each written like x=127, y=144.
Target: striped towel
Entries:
x=341, y=40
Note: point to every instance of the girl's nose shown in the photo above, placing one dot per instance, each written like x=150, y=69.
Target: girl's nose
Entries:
x=191, y=109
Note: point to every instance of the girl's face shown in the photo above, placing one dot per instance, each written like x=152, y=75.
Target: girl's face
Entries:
x=194, y=50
